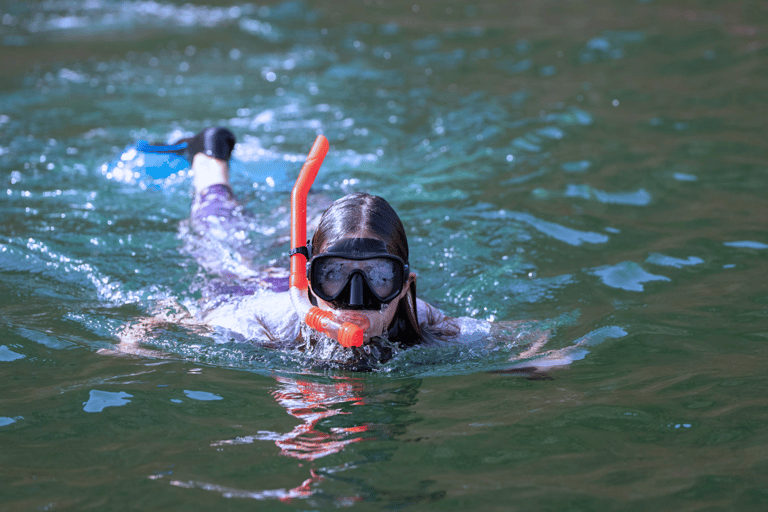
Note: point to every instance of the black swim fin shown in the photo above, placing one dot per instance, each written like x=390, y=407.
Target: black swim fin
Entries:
x=217, y=142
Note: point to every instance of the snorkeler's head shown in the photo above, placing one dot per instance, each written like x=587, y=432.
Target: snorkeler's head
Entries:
x=359, y=261
x=361, y=215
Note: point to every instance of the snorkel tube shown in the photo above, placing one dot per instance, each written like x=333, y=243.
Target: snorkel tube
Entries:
x=347, y=329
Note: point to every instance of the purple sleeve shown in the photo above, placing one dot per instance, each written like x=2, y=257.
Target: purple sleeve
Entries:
x=214, y=201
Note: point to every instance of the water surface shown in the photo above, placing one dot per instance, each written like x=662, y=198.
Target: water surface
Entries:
x=597, y=171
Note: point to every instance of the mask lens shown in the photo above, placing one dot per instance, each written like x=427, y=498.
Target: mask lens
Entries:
x=381, y=274
x=331, y=275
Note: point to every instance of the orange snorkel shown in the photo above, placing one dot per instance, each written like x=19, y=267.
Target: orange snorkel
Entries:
x=348, y=329
x=299, y=210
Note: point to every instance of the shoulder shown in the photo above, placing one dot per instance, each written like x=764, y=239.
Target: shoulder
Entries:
x=264, y=316
x=435, y=323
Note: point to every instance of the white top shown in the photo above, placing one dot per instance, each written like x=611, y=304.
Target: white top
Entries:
x=270, y=317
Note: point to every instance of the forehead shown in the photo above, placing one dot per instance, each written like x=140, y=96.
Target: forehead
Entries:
x=357, y=247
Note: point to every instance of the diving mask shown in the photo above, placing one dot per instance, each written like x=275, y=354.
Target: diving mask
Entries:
x=357, y=273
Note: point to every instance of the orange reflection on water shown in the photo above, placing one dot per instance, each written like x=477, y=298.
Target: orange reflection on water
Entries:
x=312, y=402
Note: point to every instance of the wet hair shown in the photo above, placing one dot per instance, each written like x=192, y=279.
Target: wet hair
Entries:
x=363, y=215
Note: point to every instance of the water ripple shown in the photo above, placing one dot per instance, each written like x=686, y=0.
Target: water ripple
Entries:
x=626, y=275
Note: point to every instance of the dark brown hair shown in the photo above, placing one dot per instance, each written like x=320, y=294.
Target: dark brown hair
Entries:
x=362, y=215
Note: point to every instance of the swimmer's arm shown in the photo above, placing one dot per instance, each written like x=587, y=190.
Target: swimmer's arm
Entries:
x=267, y=319
x=514, y=333
x=436, y=324
x=169, y=316
x=535, y=360
x=519, y=333
x=433, y=320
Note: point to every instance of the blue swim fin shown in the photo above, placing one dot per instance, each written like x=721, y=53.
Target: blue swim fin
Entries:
x=217, y=142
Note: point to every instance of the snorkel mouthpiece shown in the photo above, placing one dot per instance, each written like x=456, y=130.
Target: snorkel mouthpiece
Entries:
x=347, y=329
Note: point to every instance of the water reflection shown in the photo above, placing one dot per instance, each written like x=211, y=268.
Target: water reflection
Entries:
x=320, y=406
x=284, y=495
x=313, y=403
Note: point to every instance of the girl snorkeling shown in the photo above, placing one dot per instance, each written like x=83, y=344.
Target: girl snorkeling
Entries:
x=350, y=299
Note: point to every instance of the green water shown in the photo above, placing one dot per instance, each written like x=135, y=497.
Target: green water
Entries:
x=596, y=169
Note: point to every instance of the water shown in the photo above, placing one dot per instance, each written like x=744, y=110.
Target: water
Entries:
x=597, y=171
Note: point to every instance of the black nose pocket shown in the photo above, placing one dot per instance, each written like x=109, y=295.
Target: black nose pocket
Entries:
x=356, y=291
